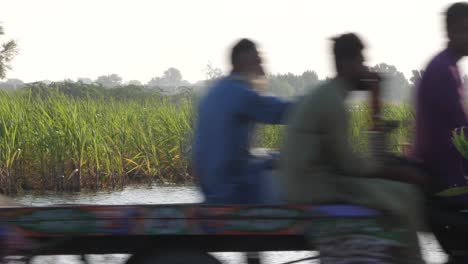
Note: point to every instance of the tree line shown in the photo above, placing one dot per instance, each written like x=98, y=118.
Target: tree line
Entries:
x=397, y=88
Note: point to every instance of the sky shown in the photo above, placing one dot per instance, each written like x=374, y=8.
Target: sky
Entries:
x=140, y=39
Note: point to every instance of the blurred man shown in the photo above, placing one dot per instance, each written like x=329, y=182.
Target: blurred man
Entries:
x=318, y=165
x=439, y=112
x=227, y=172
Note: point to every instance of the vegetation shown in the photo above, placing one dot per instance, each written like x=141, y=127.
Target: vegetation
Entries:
x=460, y=141
x=68, y=136
x=461, y=144
x=8, y=50
x=100, y=134
x=54, y=140
x=271, y=136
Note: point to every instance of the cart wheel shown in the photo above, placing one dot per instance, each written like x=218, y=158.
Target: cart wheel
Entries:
x=174, y=257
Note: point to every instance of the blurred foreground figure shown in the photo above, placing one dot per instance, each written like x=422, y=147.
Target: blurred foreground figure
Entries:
x=318, y=165
x=439, y=112
x=227, y=172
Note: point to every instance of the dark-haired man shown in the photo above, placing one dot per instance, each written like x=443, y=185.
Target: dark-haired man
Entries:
x=439, y=111
x=318, y=165
x=227, y=172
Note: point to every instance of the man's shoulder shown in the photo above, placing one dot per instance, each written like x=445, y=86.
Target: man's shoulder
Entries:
x=440, y=63
x=224, y=94
x=440, y=69
x=222, y=87
x=229, y=85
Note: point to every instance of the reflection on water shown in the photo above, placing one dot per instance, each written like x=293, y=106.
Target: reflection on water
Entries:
x=130, y=195
x=166, y=195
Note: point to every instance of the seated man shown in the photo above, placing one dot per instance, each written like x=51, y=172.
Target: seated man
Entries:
x=439, y=111
x=226, y=171
x=318, y=165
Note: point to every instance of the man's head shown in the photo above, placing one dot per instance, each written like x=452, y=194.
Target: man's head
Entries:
x=245, y=58
x=349, y=59
x=456, y=19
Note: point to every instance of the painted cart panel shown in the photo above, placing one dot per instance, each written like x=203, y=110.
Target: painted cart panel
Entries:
x=238, y=227
x=185, y=219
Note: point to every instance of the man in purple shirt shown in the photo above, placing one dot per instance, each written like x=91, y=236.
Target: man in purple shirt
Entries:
x=439, y=110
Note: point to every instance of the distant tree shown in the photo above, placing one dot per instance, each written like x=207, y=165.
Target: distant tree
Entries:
x=154, y=82
x=291, y=84
x=85, y=80
x=72, y=89
x=417, y=75
x=212, y=73
x=127, y=92
x=310, y=79
x=109, y=81
x=7, y=52
x=280, y=86
x=134, y=82
x=295, y=81
x=171, y=79
x=396, y=86
x=13, y=84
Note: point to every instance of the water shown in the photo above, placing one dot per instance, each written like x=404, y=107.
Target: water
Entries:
x=166, y=195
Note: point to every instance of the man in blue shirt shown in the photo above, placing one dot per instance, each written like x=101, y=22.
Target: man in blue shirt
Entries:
x=226, y=171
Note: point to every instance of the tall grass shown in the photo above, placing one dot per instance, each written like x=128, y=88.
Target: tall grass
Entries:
x=359, y=120
x=60, y=143
x=51, y=141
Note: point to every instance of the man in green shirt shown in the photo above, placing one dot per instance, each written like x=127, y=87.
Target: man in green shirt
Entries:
x=318, y=164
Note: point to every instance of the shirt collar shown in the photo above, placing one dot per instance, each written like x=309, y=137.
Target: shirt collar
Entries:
x=238, y=77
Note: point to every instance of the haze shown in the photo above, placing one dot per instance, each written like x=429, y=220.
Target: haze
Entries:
x=140, y=39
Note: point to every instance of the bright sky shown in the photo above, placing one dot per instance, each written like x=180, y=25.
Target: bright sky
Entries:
x=139, y=39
